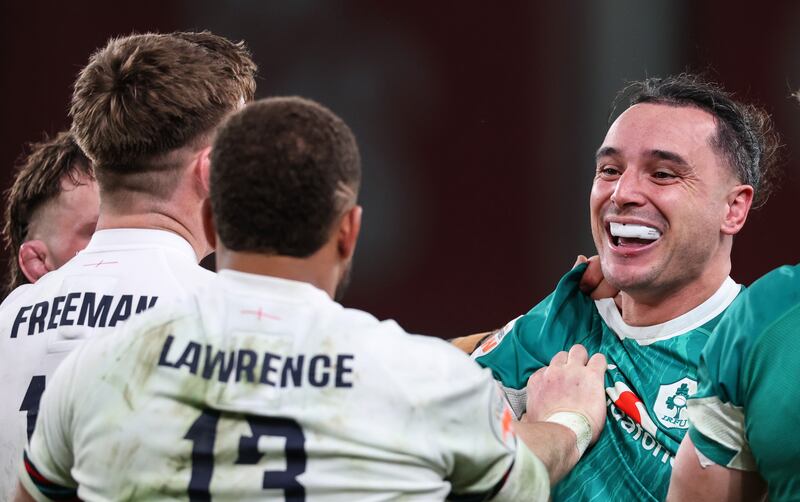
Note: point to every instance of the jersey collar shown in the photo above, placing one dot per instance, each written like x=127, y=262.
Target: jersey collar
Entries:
x=265, y=283
x=645, y=335
x=137, y=238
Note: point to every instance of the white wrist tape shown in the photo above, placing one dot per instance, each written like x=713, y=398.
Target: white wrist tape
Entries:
x=576, y=422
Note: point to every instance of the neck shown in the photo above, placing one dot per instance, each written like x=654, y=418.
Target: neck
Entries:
x=315, y=270
x=649, y=307
x=157, y=221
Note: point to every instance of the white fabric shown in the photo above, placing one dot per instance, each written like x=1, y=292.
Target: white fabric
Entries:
x=386, y=415
x=723, y=423
x=646, y=335
x=578, y=424
x=125, y=270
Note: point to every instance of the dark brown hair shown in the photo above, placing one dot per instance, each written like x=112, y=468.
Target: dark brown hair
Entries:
x=745, y=134
x=142, y=97
x=38, y=181
x=282, y=171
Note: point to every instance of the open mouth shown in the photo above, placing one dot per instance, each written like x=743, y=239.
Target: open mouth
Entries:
x=630, y=235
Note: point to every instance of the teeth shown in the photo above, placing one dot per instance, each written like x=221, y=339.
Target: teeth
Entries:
x=634, y=231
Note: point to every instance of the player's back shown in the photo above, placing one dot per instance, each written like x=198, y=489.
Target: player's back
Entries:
x=262, y=387
x=121, y=272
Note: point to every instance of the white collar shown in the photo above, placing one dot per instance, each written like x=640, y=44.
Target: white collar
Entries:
x=286, y=288
x=137, y=238
x=645, y=335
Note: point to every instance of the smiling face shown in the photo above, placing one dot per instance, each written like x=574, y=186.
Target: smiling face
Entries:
x=660, y=201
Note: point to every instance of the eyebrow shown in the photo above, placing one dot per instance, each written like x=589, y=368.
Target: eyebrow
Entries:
x=668, y=156
x=606, y=151
x=610, y=151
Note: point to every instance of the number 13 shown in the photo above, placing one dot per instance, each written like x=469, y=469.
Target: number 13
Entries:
x=203, y=433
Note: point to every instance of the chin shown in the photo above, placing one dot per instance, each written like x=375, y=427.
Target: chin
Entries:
x=629, y=277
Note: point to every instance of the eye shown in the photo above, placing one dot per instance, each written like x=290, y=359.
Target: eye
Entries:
x=663, y=175
x=607, y=171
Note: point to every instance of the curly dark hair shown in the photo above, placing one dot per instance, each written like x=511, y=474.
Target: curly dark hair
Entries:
x=282, y=172
x=745, y=135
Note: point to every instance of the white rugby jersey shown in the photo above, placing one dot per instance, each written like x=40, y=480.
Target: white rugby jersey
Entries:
x=121, y=272
x=264, y=388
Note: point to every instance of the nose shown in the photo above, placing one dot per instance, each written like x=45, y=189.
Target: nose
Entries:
x=627, y=190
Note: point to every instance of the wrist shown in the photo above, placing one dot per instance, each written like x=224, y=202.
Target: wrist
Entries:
x=578, y=424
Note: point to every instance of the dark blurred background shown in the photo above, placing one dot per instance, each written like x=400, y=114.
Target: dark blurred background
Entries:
x=478, y=122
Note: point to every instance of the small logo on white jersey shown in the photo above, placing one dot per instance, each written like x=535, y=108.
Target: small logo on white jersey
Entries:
x=670, y=405
x=501, y=417
x=494, y=340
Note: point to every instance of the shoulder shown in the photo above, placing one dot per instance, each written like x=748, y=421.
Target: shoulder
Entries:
x=757, y=307
x=31, y=292
x=424, y=364
x=776, y=291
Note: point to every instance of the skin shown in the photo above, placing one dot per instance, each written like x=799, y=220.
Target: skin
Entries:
x=60, y=228
x=657, y=167
x=691, y=481
x=572, y=378
x=571, y=383
x=180, y=213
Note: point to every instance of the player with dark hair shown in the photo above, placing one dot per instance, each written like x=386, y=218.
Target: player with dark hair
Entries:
x=674, y=181
x=52, y=209
x=743, y=419
x=261, y=385
x=144, y=110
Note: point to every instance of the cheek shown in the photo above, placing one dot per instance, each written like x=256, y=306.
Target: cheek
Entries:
x=597, y=198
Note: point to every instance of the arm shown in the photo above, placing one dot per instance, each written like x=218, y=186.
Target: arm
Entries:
x=571, y=387
x=469, y=343
x=691, y=481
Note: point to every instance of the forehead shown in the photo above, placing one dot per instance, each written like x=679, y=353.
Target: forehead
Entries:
x=648, y=127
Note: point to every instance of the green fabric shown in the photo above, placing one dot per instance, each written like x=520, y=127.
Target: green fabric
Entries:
x=752, y=361
x=628, y=462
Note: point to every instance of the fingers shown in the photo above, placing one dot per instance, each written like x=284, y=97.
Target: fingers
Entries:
x=597, y=363
x=577, y=355
x=559, y=359
x=537, y=375
x=579, y=260
x=603, y=290
x=592, y=276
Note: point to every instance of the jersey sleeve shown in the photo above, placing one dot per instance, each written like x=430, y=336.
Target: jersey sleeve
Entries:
x=716, y=415
x=48, y=459
x=717, y=411
x=486, y=460
x=564, y=318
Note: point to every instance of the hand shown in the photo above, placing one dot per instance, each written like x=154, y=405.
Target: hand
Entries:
x=573, y=383
x=593, y=283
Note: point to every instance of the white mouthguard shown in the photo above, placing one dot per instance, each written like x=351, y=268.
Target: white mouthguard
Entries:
x=632, y=231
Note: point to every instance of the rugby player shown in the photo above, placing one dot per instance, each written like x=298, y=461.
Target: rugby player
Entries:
x=743, y=437
x=144, y=110
x=52, y=209
x=262, y=386
x=675, y=178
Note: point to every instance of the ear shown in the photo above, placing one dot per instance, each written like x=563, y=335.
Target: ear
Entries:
x=349, y=228
x=32, y=259
x=202, y=169
x=740, y=198
x=209, y=228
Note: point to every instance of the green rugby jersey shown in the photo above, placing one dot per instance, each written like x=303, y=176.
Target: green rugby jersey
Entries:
x=652, y=371
x=747, y=408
